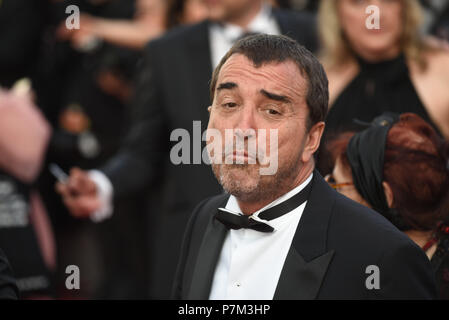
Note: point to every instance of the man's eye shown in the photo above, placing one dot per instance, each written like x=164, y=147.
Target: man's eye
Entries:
x=273, y=112
x=230, y=105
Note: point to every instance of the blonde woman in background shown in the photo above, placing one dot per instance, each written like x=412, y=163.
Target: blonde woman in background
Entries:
x=393, y=68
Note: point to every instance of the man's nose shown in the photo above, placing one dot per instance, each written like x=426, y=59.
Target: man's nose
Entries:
x=247, y=121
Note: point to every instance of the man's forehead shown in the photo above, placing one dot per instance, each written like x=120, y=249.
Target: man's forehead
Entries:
x=240, y=60
x=239, y=66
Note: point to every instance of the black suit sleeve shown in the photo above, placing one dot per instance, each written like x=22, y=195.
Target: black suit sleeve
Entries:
x=135, y=165
x=8, y=287
x=415, y=281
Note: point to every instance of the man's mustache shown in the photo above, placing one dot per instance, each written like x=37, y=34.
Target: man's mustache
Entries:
x=244, y=147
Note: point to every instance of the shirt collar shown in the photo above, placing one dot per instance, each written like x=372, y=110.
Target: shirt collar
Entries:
x=233, y=206
x=258, y=25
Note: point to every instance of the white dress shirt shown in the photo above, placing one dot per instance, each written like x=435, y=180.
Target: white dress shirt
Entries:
x=251, y=262
x=221, y=39
x=223, y=36
x=105, y=192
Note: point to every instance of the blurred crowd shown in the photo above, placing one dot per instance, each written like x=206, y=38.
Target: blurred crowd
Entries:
x=101, y=100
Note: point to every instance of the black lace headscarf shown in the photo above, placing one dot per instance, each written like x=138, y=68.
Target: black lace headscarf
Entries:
x=365, y=152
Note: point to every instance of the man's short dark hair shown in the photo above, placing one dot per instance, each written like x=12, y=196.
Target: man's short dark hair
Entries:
x=262, y=49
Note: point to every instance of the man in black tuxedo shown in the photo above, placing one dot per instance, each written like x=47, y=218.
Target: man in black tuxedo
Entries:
x=172, y=92
x=286, y=234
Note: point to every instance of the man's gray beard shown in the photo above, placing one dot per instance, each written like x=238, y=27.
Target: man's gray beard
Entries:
x=268, y=187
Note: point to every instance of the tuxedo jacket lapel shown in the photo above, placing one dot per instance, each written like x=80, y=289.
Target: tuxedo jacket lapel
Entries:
x=207, y=259
x=308, y=258
x=301, y=280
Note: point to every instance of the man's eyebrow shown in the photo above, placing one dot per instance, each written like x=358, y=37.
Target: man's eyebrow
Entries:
x=274, y=96
x=226, y=85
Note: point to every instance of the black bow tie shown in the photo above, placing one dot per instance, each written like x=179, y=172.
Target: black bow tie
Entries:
x=239, y=221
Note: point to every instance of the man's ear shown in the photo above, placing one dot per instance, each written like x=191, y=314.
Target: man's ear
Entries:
x=388, y=194
x=313, y=141
x=209, y=108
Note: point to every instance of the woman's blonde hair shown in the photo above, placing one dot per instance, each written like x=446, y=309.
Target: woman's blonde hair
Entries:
x=335, y=48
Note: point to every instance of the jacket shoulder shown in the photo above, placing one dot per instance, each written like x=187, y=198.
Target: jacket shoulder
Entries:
x=367, y=229
x=364, y=235
x=364, y=229
x=359, y=215
x=179, y=36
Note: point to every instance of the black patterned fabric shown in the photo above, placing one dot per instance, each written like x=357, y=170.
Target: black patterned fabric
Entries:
x=18, y=239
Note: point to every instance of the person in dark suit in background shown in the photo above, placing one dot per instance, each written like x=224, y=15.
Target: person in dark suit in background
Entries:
x=171, y=92
x=286, y=234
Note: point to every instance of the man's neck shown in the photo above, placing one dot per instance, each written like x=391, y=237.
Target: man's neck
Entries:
x=249, y=207
x=244, y=20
